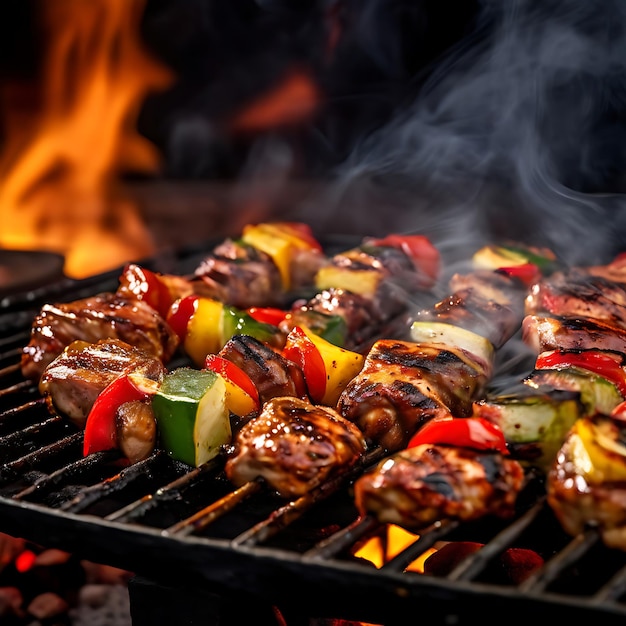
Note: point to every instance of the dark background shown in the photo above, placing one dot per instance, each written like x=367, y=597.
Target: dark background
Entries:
x=512, y=113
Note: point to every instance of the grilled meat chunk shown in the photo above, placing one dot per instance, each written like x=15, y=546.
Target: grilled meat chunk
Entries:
x=295, y=446
x=586, y=484
x=418, y=486
x=542, y=333
x=272, y=374
x=106, y=315
x=403, y=385
x=239, y=274
x=576, y=293
x=72, y=382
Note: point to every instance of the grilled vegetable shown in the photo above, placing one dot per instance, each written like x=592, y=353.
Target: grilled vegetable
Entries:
x=204, y=325
x=327, y=368
x=468, y=432
x=585, y=485
x=473, y=344
x=192, y=416
x=160, y=291
x=242, y=397
x=605, y=363
x=533, y=423
x=520, y=257
x=109, y=423
x=282, y=241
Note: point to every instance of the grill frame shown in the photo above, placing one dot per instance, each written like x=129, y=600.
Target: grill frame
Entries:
x=319, y=582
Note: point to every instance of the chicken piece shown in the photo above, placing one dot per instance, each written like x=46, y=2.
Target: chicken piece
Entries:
x=576, y=293
x=403, y=385
x=272, y=374
x=295, y=446
x=72, y=382
x=103, y=316
x=418, y=486
x=542, y=333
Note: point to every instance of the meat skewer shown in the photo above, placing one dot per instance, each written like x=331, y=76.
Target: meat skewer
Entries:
x=136, y=312
x=450, y=465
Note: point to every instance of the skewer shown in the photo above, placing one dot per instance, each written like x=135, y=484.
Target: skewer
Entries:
x=209, y=514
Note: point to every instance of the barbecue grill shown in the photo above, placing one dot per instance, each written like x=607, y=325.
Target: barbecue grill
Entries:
x=205, y=552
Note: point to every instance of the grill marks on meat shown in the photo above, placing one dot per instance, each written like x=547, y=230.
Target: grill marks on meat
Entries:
x=484, y=302
x=392, y=277
x=417, y=486
x=578, y=293
x=403, y=385
x=241, y=275
x=72, y=382
x=543, y=333
x=103, y=316
x=272, y=374
x=294, y=446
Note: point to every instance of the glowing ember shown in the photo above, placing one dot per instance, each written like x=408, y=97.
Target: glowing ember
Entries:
x=65, y=149
x=384, y=547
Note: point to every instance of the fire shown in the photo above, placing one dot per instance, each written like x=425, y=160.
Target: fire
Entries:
x=70, y=135
x=381, y=548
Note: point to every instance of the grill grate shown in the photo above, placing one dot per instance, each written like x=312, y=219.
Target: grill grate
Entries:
x=182, y=526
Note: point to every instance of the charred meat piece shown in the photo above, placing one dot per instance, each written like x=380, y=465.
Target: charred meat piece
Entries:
x=72, y=382
x=103, y=316
x=239, y=274
x=576, y=293
x=418, y=486
x=403, y=385
x=295, y=446
x=542, y=333
x=272, y=374
x=486, y=303
x=587, y=483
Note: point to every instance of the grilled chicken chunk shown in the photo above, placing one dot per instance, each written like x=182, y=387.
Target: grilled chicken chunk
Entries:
x=587, y=483
x=72, y=382
x=295, y=446
x=103, y=316
x=272, y=374
x=403, y=385
x=542, y=333
x=576, y=293
x=418, y=486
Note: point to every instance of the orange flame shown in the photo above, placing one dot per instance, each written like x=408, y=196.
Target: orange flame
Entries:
x=381, y=548
x=64, y=152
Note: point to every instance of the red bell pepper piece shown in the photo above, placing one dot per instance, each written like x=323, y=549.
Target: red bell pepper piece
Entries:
x=233, y=374
x=467, y=432
x=267, y=315
x=303, y=231
x=609, y=365
x=180, y=313
x=100, y=429
x=418, y=248
x=147, y=286
x=528, y=273
x=301, y=350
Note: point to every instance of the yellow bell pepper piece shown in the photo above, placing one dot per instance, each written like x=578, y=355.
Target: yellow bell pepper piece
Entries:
x=205, y=330
x=341, y=366
x=278, y=242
